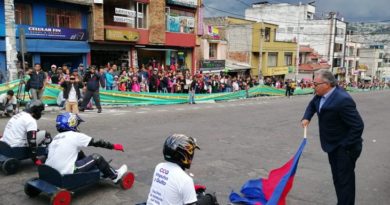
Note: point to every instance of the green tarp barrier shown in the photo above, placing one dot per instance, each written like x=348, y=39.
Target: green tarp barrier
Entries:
x=129, y=98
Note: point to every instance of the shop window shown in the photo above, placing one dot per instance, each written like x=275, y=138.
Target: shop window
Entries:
x=23, y=14
x=180, y=21
x=288, y=59
x=267, y=34
x=130, y=14
x=59, y=17
x=272, y=59
x=213, y=50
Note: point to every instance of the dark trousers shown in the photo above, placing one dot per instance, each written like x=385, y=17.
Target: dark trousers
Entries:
x=87, y=97
x=342, y=162
x=85, y=164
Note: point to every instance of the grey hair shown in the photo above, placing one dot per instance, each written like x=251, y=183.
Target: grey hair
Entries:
x=327, y=76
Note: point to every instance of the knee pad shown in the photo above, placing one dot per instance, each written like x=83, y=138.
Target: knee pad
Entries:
x=97, y=157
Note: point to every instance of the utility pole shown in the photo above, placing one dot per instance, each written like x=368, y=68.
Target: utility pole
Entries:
x=260, y=75
x=10, y=39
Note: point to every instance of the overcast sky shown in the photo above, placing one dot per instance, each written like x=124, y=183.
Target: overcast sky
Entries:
x=351, y=10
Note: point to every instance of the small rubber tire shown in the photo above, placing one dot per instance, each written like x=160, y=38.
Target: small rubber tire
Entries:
x=30, y=190
x=61, y=197
x=10, y=166
x=127, y=181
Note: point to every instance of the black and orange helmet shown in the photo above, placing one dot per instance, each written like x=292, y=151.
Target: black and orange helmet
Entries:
x=180, y=149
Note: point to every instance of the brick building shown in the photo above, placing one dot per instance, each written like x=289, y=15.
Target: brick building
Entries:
x=136, y=32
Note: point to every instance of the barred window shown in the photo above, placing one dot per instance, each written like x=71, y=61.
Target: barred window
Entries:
x=57, y=17
x=23, y=14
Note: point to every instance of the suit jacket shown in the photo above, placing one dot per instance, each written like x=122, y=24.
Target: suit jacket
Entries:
x=339, y=121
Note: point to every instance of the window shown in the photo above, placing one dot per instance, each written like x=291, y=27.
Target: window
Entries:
x=290, y=29
x=213, y=50
x=309, y=16
x=180, y=21
x=23, y=14
x=58, y=17
x=129, y=13
x=141, y=15
x=288, y=59
x=379, y=64
x=339, y=32
x=267, y=34
x=272, y=59
x=338, y=47
x=337, y=62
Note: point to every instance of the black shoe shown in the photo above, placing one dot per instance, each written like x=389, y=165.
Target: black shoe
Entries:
x=99, y=111
x=81, y=110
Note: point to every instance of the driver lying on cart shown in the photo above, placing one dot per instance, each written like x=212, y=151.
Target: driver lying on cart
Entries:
x=65, y=153
x=22, y=130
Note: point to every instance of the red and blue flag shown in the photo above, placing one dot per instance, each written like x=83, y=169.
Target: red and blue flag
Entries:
x=271, y=191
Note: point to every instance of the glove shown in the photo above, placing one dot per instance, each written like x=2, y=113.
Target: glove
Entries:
x=38, y=162
x=199, y=188
x=118, y=147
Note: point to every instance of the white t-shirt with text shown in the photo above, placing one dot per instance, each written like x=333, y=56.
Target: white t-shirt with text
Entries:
x=15, y=132
x=171, y=185
x=63, y=150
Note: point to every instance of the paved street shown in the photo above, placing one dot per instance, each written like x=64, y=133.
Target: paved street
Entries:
x=239, y=140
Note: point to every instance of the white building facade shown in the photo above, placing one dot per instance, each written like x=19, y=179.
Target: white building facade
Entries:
x=298, y=23
x=374, y=60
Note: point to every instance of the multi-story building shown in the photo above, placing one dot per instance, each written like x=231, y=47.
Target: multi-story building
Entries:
x=226, y=45
x=55, y=31
x=299, y=23
x=373, y=60
x=136, y=32
x=242, y=41
x=352, y=58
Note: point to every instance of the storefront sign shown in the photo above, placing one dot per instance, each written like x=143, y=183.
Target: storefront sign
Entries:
x=122, y=19
x=41, y=32
x=122, y=35
x=208, y=65
x=275, y=71
x=125, y=12
x=186, y=3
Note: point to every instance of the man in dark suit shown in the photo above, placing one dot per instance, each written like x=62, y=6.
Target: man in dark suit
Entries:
x=341, y=129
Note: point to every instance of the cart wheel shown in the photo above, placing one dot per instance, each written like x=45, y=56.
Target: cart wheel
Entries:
x=127, y=181
x=61, y=197
x=10, y=166
x=31, y=191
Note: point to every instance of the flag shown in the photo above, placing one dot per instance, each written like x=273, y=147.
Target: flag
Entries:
x=271, y=191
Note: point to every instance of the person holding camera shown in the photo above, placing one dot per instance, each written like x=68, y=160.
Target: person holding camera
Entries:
x=72, y=94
